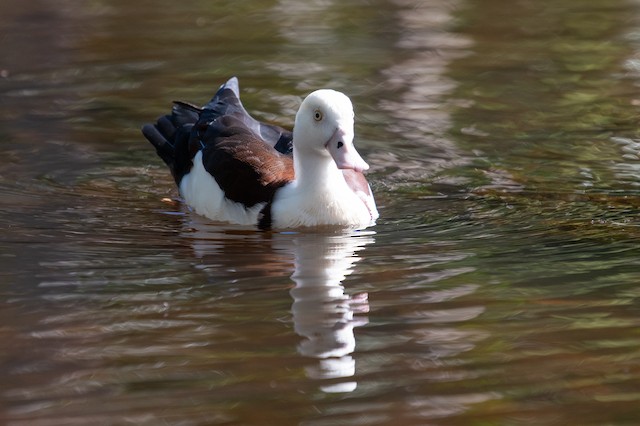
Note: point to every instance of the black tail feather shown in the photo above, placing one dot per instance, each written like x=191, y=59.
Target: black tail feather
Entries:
x=170, y=136
x=185, y=113
x=166, y=127
x=158, y=138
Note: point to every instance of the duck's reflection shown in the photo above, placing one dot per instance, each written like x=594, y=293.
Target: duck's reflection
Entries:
x=323, y=315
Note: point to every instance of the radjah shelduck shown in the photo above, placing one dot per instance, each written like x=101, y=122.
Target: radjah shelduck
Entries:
x=232, y=168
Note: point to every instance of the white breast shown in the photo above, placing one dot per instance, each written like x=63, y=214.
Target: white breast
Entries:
x=334, y=204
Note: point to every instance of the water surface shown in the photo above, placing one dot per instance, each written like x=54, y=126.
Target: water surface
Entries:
x=500, y=285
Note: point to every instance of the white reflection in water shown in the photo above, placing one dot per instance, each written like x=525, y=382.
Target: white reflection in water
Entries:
x=323, y=315
x=421, y=89
x=628, y=168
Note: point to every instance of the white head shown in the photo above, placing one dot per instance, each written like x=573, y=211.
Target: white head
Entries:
x=324, y=126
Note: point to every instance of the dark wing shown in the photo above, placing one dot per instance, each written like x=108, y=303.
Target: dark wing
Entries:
x=248, y=170
x=178, y=136
x=226, y=102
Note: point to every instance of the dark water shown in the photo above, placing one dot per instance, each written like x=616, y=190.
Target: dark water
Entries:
x=500, y=286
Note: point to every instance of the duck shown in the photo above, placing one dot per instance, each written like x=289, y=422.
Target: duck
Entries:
x=230, y=167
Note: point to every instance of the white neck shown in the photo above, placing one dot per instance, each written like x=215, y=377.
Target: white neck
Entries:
x=316, y=172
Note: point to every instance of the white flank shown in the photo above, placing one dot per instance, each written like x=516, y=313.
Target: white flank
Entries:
x=202, y=193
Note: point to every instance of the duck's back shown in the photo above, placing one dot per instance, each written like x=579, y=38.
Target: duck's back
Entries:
x=220, y=153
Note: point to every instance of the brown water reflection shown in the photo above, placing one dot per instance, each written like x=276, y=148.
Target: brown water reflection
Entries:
x=500, y=285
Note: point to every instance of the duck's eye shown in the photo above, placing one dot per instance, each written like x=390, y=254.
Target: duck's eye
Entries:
x=317, y=115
